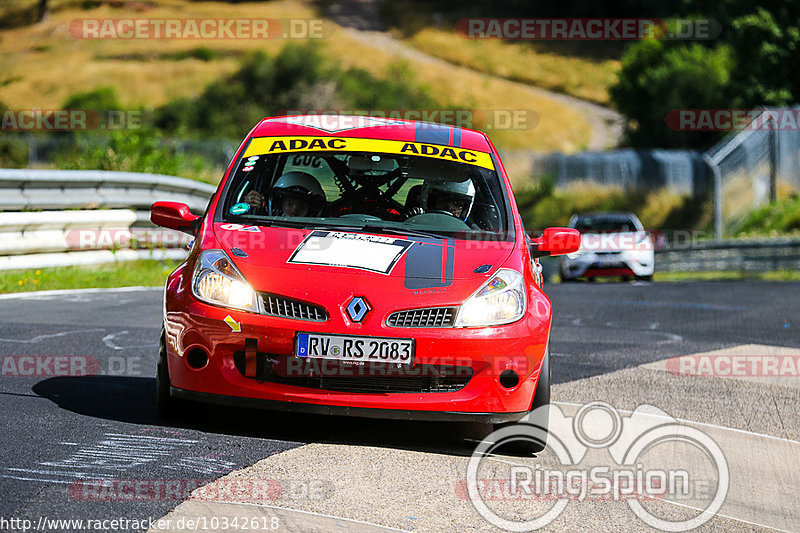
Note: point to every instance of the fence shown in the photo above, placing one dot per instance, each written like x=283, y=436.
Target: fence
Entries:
x=57, y=218
x=750, y=168
x=739, y=255
x=683, y=171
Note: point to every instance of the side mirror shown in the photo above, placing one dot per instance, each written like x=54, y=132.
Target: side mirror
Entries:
x=174, y=215
x=556, y=241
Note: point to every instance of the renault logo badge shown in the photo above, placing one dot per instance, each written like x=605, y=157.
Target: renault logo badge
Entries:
x=357, y=309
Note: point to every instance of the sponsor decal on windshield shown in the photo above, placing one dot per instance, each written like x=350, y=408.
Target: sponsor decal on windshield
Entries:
x=276, y=145
x=240, y=227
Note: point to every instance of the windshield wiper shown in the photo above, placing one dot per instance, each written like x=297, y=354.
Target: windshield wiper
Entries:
x=394, y=230
x=372, y=228
x=301, y=224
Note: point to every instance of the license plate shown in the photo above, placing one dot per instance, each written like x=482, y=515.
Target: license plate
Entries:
x=352, y=348
x=607, y=260
x=607, y=263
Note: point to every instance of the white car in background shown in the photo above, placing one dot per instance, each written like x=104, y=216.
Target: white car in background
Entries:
x=612, y=245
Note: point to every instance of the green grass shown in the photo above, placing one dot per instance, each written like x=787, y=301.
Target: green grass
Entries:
x=717, y=275
x=149, y=73
x=777, y=275
x=780, y=218
x=542, y=205
x=150, y=273
x=529, y=63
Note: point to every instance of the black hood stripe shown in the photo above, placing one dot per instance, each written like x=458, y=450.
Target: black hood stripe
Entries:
x=430, y=264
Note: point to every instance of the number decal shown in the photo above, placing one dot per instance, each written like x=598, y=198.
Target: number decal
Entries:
x=306, y=161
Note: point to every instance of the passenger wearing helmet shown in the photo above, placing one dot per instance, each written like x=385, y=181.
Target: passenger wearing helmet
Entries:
x=452, y=197
x=295, y=194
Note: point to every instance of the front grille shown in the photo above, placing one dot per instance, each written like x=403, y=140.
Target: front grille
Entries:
x=376, y=378
x=276, y=305
x=431, y=317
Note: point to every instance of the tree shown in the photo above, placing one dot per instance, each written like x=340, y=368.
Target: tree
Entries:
x=753, y=64
x=44, y=10
x=662, y=76
x=767, y=47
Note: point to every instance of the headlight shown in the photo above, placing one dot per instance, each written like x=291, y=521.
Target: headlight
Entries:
x=217, y=281
x=501, y=300
x=643, y=241
x=575, y=255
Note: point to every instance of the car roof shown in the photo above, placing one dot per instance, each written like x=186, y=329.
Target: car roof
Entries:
x=608, y=216
x=373, y=128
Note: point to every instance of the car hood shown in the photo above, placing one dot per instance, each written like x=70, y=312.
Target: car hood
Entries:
x=304, y=262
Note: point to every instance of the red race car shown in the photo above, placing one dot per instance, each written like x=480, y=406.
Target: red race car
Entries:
x=360, y=266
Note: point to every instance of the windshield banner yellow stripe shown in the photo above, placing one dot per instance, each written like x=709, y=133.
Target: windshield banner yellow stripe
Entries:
x=277, y=145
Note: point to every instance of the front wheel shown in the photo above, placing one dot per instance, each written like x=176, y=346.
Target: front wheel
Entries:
x=539, y=414
x=167, y=407
x=565, y=279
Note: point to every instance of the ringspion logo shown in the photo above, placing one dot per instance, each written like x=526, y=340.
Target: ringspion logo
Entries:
x=597, y=454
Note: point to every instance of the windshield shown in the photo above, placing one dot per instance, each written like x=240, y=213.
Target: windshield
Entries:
x=378, y=191
x=606, y=225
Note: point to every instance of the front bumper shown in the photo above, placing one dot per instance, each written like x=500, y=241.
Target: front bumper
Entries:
x=592, y=264
x=191, y=325
x=337, y=410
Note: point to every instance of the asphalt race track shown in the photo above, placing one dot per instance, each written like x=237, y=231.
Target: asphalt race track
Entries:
x=611, y=342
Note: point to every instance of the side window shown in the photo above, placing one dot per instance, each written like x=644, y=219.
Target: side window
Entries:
x=251, y=174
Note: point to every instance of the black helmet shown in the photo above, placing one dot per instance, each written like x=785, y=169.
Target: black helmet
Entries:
x=296, y=184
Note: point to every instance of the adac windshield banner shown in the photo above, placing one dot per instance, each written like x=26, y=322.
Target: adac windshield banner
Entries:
x=276, y=145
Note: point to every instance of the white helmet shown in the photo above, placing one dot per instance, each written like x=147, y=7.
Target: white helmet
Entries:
x=297, y=184
x=433, y=192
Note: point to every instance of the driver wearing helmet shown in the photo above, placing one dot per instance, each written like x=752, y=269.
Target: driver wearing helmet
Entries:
x=295, y=194
x=452, y=197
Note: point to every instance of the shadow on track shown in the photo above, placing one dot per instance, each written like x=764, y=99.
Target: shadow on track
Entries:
x=132, y=400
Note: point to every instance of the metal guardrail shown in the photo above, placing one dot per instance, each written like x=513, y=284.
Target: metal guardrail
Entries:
x=46, y=149
x=122, y=230
x=68, y=217
x=760, y=255
x=742, y=255
x=91, y=189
